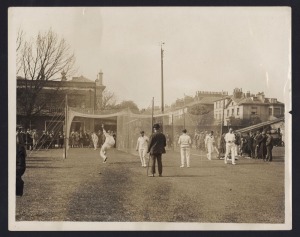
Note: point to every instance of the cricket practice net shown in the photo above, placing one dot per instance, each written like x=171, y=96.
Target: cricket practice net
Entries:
x=129, y=125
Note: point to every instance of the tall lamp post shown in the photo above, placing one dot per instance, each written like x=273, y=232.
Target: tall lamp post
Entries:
x=162, y=76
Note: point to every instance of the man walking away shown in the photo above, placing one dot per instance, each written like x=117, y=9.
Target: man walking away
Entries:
x=156, y=148
x=142, y=147
x=185, y=142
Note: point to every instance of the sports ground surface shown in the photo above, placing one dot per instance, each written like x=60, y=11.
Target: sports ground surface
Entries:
x=72, y=189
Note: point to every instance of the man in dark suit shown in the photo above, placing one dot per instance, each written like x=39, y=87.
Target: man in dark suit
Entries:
x=269, y=145
x=156, y=148
x=257, y=139
x=20, y=161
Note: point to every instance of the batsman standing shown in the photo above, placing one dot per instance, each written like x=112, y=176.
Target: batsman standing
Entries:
x=142, y=147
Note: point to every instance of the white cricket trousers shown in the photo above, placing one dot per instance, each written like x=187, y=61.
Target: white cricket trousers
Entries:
x=103, y=150
x=185, y=155
x=230, y=147
x=142, y=153
x=210, y=149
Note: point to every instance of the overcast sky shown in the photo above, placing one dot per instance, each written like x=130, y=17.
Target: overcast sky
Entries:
x=206, y=48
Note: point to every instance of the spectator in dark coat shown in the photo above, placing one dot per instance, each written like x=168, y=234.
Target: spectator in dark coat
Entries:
x=157, y=144
x=262, y=151
x=250, y=144
x=20, y=162
x=223, y=145
x=244, y=145
x=257, y=137
x=269, y=145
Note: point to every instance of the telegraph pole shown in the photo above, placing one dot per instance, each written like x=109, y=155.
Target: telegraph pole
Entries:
x=152, y=114
x=162, y=76
x=183, y=111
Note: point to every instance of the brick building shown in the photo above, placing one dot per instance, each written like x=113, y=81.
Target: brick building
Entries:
x=82, y=94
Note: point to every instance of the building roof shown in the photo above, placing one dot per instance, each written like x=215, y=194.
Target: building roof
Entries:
x=80, y=79
x=223, y=98
x=256, y=101
x=260, y=125
x=204, y=100
x=252, y=100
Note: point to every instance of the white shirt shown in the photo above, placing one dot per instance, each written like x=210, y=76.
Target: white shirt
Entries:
x=184, y=140
x=109, y=139
x=94, y=137
x=209, y=140
x=229, y=137
x=142, y=142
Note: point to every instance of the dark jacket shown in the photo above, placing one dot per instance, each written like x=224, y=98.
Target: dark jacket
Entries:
x=20, y=160
x=20, y=164
x=157, y=143
x=269, y=141
x=257, y=139
x=262, y=150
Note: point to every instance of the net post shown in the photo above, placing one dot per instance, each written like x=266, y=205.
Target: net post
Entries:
x=66, y=124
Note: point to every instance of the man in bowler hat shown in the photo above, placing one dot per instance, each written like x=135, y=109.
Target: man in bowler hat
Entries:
x=156, y=148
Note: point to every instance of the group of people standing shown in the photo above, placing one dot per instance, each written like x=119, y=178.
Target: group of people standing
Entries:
x=257, y=146
x=33, y=139
x=88, y=139
x=155, y=145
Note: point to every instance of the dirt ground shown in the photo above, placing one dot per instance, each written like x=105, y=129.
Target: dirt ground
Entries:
x=72, y=189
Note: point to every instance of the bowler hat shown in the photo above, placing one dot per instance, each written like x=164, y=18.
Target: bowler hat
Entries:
x=156, y=126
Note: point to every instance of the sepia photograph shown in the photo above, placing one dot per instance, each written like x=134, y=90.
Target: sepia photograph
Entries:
x=149, y=118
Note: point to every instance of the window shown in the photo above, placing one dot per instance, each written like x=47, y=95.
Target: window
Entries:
x=276, y=112
x=232, y=111
x=270, y=111
x=253, y=110
x=238, y=111
x=227, y=112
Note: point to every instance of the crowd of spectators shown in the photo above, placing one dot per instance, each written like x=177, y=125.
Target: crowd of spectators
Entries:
x=256, y=145
x=36, y=140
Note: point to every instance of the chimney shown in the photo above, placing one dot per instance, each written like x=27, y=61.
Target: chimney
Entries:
x=248, y=94
x=261, y=96
x=99, y=79
x=273, y=100
x=237, y=93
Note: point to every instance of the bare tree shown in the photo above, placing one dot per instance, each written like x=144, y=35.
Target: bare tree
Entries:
x=40, y=60
x=19, y=43
x=108, y=100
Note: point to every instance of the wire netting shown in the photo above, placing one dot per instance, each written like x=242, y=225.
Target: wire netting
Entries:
x=129, y=126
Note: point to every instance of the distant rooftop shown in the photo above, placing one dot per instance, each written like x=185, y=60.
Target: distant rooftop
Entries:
x=81, y=79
